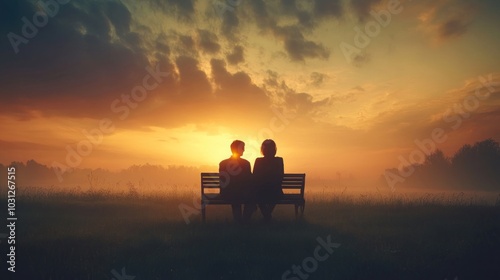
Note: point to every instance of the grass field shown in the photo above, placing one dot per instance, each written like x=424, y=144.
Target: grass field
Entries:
x=99, y=235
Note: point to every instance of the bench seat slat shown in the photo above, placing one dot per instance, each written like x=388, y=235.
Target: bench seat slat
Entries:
x=223, y=202
x=215, y=180
x=216, y=186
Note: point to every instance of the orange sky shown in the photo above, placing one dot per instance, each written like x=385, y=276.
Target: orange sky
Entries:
x=114, y=83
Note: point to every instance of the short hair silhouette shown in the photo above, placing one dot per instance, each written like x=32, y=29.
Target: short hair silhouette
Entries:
x=235, y=145
x=268, y=148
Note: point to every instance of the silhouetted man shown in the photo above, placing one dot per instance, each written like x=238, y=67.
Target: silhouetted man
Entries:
x=235, y=178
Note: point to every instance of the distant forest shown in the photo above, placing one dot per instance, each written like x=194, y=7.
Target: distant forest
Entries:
x=472, y=167
x=147, y=176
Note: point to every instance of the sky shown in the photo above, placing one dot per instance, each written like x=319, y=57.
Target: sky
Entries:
x=343, y=87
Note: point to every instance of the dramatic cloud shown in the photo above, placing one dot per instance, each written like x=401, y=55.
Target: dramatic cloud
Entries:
x=263, y=19
x=236, y=56
x=72, y=61
x=299, y=48
x=182, y=9
x=120, y=16
x=361, y=59
x=187, y=42
x=317, y=79
x=443, y=22
x=306, y=19
x=90, y=55
x=230, y=24
x=208, y=41
x=452, y=28
x=297, y=103
x=193, y=82
x=362, y=8
x=237, y=89
x=288, y=6
x=328, y=8
x=295, y=44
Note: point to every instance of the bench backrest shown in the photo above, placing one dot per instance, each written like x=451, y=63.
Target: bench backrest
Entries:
x=294, y=181
x=291, y=181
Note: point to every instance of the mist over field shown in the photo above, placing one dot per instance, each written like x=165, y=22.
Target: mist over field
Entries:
x=473, y=168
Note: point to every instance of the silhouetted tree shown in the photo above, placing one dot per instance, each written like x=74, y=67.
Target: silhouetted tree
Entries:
x=144, y=176
x=474, y=167
x=435, y=170
x=478, y=166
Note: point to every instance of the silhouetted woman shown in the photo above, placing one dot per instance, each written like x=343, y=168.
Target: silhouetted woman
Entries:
x=268, y=175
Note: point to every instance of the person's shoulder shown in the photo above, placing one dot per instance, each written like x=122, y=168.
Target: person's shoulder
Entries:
x=224, y=162
x=259, y=161
x=278, y=159
x=244, y=161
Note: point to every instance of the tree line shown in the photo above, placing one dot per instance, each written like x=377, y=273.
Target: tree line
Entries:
x=472, y=167
x=35, y=174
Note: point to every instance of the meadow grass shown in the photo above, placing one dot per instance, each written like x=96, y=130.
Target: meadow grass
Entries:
x=86, y=235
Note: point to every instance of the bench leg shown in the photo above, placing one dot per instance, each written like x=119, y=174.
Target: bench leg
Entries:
x=296, y=211
x=203, y=214
x=302, y=209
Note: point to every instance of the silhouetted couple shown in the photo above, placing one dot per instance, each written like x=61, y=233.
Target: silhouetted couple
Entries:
x=244, y=188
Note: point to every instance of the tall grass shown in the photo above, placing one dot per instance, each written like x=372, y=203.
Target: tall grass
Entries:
x=84, y=234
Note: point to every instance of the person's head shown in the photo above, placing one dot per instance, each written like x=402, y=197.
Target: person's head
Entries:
x=268, y=148
x=237, y=148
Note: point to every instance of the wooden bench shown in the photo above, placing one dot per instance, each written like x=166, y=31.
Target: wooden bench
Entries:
x=292, y=185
